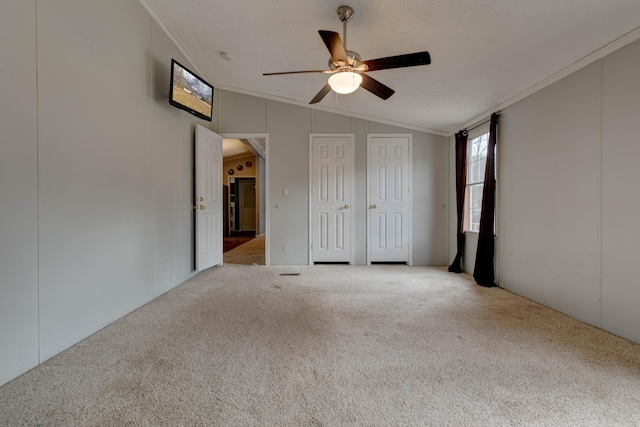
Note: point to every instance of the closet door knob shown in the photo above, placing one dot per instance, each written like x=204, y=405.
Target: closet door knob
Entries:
x=373, y=206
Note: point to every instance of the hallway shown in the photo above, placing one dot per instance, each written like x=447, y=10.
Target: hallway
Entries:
x=249, y=253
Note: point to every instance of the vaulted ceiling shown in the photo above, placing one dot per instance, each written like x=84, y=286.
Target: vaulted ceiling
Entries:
x=485, y=53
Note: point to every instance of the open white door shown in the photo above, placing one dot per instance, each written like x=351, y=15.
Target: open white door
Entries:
x=208, y=203
x=389, y=198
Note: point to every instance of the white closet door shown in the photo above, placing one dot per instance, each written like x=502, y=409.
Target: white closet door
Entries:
x=389, y=198
x=331, y=191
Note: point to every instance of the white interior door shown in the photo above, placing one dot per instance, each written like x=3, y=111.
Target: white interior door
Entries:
x=208, y=203
x=331, y=189
x=246, y=202
x=389, y=198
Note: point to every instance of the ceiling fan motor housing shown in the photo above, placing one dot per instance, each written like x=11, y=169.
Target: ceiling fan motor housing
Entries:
x=354, y=59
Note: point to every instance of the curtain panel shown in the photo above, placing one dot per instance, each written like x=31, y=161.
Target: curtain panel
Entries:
x=461, y=184
x=483, y=271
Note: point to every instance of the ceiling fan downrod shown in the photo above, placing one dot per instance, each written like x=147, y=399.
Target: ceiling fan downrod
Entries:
x=346, y=14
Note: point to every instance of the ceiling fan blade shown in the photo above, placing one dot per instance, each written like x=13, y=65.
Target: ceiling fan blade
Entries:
x=334, y=43
x=375, y=87
x=298, y=72
x=323, y=92
x=400, y=61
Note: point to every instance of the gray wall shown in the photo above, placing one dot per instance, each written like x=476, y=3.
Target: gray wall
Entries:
x=18, y=190
x=568, y=227
x=95, y=173
x=288, y=127
x=620, y=109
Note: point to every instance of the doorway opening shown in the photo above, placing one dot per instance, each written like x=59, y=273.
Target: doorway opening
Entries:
x=245, y=228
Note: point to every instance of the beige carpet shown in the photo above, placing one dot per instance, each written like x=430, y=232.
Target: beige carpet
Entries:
x=335, y=346
x=249, y=253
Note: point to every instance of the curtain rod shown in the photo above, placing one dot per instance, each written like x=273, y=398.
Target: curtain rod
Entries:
x=466, y=131
x=478, y=125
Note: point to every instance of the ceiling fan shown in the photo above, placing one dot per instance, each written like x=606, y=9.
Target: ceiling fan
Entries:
x=348, y=70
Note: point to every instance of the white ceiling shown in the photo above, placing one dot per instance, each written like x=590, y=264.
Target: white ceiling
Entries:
x=233, y=147
x=484, y=52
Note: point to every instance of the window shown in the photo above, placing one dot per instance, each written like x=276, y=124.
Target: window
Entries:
x=476, y=160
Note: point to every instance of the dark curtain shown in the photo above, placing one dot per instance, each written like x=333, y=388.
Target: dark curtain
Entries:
x=461, y=184
x=483, y=270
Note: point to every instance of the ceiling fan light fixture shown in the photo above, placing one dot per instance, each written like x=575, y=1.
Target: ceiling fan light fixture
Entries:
x=345, y=82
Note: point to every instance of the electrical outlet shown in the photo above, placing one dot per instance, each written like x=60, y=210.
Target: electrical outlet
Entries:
x=284, y=248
